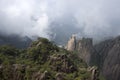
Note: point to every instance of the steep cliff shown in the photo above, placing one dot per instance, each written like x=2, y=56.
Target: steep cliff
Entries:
x=85, y=49
x=105, y=55
x=71, y=45
x=109, y=51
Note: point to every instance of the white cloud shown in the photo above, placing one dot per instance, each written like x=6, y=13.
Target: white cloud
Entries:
x=94, y=18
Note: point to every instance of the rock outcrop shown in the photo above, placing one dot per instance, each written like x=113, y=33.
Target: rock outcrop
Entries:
x=62, y=63
x=95, y=73
x=71, y=46
x=84, y=48
x=60, y=76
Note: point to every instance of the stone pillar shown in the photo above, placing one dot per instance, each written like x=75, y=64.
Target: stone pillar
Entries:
x=71, y=46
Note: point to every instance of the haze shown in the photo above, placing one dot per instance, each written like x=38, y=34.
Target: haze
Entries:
x=58, y=19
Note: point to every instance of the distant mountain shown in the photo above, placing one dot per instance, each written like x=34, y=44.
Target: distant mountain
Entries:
x=15, y=40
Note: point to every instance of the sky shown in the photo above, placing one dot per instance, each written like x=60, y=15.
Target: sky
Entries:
x=58, y=19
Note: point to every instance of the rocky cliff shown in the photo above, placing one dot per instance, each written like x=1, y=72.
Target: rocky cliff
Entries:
x=105, y=55
x=109, y=51
x=85, y=49
x=71, y=45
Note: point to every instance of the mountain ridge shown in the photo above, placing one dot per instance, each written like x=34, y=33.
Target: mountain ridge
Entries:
x=105, y=54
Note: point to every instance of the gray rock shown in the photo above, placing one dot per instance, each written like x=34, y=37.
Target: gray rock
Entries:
x=71, y=45
x=59, y=76
x=109, y=51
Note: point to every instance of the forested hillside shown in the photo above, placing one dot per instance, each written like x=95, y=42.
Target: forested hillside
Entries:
x=43, y=60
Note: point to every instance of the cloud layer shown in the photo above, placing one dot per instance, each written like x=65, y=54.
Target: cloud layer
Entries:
x=60, y=18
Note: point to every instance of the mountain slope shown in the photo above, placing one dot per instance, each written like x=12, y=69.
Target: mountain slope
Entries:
x=43, y=60
x=85, y=49
x=105, y=55
x=109, y=51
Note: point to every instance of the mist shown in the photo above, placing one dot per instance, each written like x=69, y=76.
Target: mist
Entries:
x=58, y=19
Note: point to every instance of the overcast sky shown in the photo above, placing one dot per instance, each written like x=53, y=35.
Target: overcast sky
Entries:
x=50, y=18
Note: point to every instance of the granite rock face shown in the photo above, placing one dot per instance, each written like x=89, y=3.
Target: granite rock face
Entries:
x=105, y=54
x=109, y=51
x=84, y=48
x=71, y=46
x=95, y=73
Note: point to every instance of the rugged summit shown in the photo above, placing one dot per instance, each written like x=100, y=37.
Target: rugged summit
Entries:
x=71, y=46
x=84, y=48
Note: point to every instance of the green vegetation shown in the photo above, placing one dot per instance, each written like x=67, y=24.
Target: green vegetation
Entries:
x=41, y=56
